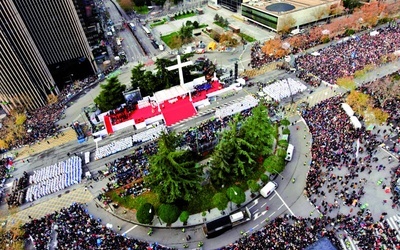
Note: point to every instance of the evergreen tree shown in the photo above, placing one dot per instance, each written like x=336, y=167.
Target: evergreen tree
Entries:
x=258, y=131
x=111, y=95
x=173, y=173
x=233, y=157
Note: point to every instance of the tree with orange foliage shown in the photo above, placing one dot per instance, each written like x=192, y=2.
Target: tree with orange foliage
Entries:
x=298, y=41
x=370, y=13
x=126, y=5
x=274, y=48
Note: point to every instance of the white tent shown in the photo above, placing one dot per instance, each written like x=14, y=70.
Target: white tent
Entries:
x=349, y=111
x=356, y=123
x=374, y=33
x=170, y=93
x=315, y=53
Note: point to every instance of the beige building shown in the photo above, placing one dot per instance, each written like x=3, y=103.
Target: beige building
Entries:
x=278, y=15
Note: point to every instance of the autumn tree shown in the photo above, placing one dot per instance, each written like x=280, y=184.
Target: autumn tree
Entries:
x=370, y=13
x=298, y=41
x=286, y=24
x=374, y=115
x=358, y=101
x=274, y=48
x=336, y=10
x=126, y=5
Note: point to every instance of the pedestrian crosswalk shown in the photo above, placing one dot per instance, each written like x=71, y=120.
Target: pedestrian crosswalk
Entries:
x=347, y=243
x=394, y=222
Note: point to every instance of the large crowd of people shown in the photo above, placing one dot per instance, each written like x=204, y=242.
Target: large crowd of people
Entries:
x=74, y=228
x=345, y=58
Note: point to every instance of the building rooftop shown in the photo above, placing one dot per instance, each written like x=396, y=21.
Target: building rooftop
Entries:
x=281, y=7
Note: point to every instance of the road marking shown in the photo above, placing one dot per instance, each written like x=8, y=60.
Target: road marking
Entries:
x=256, y=211
x=264, y=204
x=255, y=203
x=280, y=207
x=272, y=197
x=130, y=229
x=271, y=214
x=284, y=203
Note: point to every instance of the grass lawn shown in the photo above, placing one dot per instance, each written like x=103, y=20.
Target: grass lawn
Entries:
x=222, y=25
x=141, y=9
x=247, y=37
x=167, y=39
x=184, y=16
x=134, y=203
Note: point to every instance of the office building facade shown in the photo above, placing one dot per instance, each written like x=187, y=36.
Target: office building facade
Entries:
x=55, y=28
x=25, y=80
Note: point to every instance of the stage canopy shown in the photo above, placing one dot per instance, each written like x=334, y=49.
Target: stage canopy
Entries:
x=356, y=123
x=346, y=107
x=170, y=93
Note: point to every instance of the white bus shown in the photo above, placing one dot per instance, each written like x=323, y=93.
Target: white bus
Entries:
x=147, y=31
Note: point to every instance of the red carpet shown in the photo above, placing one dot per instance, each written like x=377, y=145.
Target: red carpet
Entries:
x=107, y=123
x=178, y=111
x=140, y=115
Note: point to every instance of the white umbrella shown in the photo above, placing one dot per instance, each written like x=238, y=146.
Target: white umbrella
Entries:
x=285, y=45
x=109, y=225
x=325, y=32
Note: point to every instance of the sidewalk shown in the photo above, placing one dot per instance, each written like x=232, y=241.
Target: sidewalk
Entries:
x=65, y=136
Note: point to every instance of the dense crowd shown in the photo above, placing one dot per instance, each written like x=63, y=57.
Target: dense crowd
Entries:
x=41, y=123
x=74, y=228
x=290, y=232
x=345, y=58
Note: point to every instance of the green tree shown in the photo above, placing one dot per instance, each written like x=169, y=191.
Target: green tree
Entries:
x=166, y=77
x=233, y=157
x=220, y=201
x=236, y=195
x=145, y=213
x=185, y=33
x=184, y=216
x=111, y=95
x=137, y=78
x=196, y=24
x=173, y=173
x=189, y=23
x=274, y=164
x=264, y=178
x=168, y=213
x=216, y=18
x=253, y=185
x=258, y=131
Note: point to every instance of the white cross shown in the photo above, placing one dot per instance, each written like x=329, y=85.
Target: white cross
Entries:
x=179, y=66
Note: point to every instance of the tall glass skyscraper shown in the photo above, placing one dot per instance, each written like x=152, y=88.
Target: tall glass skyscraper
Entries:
x=44, y=41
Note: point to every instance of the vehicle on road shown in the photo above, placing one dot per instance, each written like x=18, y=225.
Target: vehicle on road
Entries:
x=289, y=152
x=268, y=189
x=221, y=225
x=133, y=27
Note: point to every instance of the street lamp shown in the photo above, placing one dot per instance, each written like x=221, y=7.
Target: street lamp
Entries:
x=278, y=173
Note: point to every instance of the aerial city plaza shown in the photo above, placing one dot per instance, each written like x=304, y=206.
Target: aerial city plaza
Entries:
x=200, y=124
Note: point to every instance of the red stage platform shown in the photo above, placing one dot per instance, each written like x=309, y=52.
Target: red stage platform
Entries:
x=172, y=112
x=178, y=111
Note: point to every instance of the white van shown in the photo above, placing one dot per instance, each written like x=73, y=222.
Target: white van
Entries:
x=289, y=152
x=268, y=189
